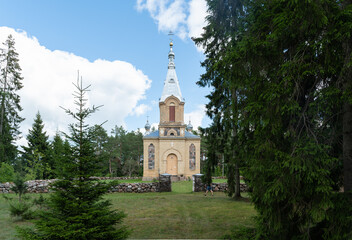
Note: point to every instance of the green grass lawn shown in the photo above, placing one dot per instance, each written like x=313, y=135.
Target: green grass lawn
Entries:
x=178, y=214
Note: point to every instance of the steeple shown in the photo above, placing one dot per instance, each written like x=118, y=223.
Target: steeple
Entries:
x=171, y=85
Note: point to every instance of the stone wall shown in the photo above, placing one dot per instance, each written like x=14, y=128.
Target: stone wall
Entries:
x=222, y=187
x=34, y=186
x=136, y=187
x=116, y=178
x=42, y=186
x=199, y=186
x=165, y=182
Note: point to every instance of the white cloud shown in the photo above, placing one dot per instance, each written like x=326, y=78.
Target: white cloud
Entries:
x=185, y=19
x=48, y=77
x=196, y=117
x=140, y=110
x=196, y=19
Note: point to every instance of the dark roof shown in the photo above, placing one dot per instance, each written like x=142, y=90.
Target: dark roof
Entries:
x=155, y=134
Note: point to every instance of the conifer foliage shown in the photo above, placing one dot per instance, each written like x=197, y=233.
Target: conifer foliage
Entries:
x=10, y=83
x=287, y=67
x=37, y=156
x=76, y=209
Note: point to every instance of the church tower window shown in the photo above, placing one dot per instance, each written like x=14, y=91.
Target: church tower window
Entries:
x=172, y=112
x=151, y=156
x=192, y=157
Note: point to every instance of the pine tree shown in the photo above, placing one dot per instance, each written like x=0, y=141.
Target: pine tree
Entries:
x=10, y=83
x=38, y=149
x=76, y=208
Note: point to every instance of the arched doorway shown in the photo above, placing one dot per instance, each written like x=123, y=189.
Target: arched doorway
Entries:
x=171, y=164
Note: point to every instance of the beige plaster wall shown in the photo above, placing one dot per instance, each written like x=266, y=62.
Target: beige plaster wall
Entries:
x=166, y=146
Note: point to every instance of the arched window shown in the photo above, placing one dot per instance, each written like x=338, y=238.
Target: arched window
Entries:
x=151, y=156
x=192, y=157
x=172, y=112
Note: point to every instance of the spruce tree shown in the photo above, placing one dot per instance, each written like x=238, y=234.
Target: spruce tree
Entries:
x=60, y=151
x=38, y=149
x=287, y=65
x=76, y=209
x=10, y=83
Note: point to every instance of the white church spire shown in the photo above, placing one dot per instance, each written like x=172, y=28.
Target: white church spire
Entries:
x=171, y=84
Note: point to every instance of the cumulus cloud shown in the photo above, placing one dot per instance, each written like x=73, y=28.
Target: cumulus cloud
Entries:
x=140, y=110
x=185, y=18
x=48, y=77
x=196, y=19
x=196, y=117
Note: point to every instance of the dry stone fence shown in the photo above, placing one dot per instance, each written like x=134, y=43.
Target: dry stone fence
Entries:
x=42, y=186
x=199, y=186
x=163, y=185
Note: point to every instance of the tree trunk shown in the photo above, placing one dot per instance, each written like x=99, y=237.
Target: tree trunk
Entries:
x=110, y=169
x=347, y=110
x=3, y=101
x=237, y=181
x=347, y=130
x=347, y=146
x=234, y=136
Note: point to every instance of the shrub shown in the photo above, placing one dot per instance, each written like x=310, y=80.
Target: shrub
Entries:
x=7, y=173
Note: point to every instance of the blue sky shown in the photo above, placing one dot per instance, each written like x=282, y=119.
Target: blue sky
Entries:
x=119, y=46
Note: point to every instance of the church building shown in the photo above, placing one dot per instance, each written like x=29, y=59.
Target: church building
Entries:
x=172, y=149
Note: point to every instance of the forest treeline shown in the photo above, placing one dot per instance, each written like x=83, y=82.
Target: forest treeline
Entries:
x=119, y=153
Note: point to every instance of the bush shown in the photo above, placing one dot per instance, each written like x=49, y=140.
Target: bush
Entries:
x=7, y=173
x=22, y=210
x=20, y=186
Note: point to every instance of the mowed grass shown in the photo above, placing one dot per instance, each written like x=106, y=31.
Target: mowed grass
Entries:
x=177, y=214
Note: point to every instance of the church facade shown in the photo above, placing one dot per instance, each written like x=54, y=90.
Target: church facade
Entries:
x=171, y=149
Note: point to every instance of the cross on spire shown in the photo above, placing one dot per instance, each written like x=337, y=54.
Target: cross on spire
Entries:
x=170, y=35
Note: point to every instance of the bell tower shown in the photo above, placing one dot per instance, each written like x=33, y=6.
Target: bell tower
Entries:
x=171, y=103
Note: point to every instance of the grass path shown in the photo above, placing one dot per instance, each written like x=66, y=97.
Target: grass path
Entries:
x=178, y=214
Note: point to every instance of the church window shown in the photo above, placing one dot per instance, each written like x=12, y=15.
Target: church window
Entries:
x=192, y=157
x=172, y=113
x=151, y=156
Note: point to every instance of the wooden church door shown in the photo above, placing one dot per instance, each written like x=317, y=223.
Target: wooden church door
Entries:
x=171, y=164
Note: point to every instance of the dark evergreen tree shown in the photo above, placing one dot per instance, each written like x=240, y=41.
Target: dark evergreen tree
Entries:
x=60, y=151
x=10, y=83
x=223, y=107
x=284, y=67
x=37, y=155
x=76, y=209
